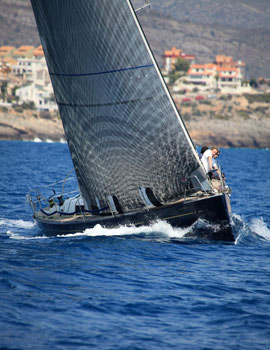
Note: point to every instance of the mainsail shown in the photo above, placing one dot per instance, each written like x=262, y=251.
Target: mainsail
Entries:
x=123, y=130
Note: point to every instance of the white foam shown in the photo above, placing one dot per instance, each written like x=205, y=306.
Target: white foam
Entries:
x=238, y=239
x=236, y=218
x=14, y=235
x=257, y=226
x=160, y=227
x=17, y=223
x=37, y=139
x=260, y=228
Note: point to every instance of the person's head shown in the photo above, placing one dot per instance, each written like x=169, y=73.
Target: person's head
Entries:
x=204, y=148
x=215, y=151
x=216, y=154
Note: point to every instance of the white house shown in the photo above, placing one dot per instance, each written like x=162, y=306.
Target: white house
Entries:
x=40, y=95
x=28, y=67
x=202, y=74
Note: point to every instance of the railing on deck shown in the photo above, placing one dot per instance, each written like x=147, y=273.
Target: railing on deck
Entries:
x=39, y=198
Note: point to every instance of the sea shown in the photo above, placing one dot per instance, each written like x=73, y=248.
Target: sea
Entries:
x=130, y=288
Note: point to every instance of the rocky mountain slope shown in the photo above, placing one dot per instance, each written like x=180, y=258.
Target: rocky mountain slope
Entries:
x=230, y=13
x=249, y=45
x=238, y=28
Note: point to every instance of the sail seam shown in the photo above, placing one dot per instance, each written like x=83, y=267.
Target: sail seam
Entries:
x=109, y=104
x=99, y=73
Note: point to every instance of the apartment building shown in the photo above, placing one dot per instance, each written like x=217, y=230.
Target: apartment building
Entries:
x=6, y=51
x=202, y=74
x=229, y=77
x=27, y=67
x=42, y=96
x=224, y=72
x=38, y=52
x=23, y=51
x=171, y=56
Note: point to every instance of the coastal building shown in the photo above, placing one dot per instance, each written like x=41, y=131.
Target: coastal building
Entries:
x=38, y=52
x=229, y=77
x=6, y=51
x=27, y=67
x=202, y=74
x=6, y=65
x=223, y=73
x=24, y=51
x=171, y=56
x=6, y=59
x=42, y=96
x=37, y=87
x=222, y=61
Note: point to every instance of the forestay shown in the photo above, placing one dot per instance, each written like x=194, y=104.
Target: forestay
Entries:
x=123, y=130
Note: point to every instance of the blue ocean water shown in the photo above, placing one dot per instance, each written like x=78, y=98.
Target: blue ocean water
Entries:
x=132, y=288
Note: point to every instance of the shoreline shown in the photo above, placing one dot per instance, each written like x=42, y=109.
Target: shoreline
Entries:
x=235, y=132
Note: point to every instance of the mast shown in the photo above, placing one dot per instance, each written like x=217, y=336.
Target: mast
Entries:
x=183, y=127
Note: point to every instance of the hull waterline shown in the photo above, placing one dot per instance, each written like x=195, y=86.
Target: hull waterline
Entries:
x=213, y=209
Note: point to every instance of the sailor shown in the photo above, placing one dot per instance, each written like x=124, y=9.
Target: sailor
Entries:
x=207, y=159
x=51, y=202
x=203, y=149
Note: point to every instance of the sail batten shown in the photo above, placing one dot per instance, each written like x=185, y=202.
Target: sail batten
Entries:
x=123, y=129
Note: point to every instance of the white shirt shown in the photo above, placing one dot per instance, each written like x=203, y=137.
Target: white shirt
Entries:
x=207, y=153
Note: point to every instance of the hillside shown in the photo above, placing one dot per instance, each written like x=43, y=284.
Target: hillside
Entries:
x=240, y=28
x=226, y=121
x=230, y=13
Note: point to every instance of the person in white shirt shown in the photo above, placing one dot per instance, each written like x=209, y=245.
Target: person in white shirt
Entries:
x=203, y=149
x=207, y=159
x=216, y=173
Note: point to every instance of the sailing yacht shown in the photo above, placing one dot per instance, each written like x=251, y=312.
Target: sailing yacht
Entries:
x=134, y=160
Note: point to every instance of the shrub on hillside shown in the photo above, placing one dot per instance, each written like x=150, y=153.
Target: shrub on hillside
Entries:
x=265, y=98
x=187, y=117
x=4, y=109
x=221, y=116
x=196, y=112
x=29, y=105
x=262, y=110
x=18, y=109
x=243, y=114
x=206, y=102
x=45, y=115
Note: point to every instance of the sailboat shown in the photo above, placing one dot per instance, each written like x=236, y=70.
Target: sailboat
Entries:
x=134, y=160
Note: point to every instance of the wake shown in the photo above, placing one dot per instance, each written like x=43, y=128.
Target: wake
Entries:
x=253, y=231
x=159, y=231
x=16, y=223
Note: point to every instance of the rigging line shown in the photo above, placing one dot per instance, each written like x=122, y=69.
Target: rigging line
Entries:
x=110, y=104
x=100, y=73
x=144, y=6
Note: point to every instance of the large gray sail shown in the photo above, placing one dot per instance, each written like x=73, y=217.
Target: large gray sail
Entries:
x=122, y=128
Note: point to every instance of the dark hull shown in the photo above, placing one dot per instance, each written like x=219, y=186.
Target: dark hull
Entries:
x=214, y=209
